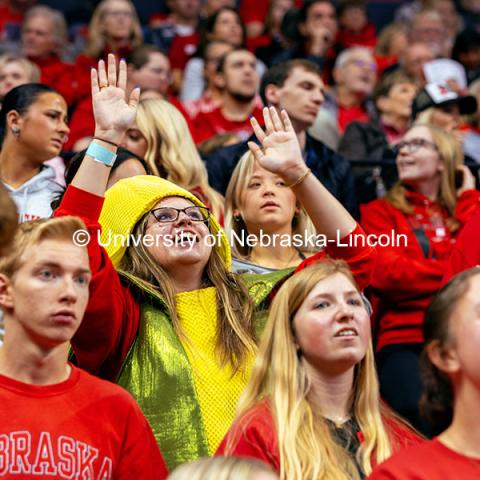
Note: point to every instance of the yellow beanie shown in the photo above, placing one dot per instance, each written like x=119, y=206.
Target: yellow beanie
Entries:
x=131, y=198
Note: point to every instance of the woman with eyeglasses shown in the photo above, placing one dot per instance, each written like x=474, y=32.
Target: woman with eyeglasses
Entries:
x=428, y=206
x=312, y=408
x=167, y=319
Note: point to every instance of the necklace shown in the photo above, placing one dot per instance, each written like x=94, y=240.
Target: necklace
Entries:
x=339, y=420
x=296, y=253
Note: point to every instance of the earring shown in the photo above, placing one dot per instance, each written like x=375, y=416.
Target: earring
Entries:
x=237, y=218
x=15, y=131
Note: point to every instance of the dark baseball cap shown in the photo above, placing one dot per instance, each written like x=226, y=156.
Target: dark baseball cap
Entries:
x=435, y=95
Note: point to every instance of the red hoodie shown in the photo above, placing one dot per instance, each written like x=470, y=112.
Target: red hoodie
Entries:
x=404, y=278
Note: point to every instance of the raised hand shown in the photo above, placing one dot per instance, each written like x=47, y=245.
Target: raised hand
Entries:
x=113, y=115
x=280, y=151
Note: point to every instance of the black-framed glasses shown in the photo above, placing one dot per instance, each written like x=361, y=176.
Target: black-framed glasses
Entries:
x=413, y=145
x=170, y=214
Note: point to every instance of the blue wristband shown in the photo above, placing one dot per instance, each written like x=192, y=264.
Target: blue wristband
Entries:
x=101, y=154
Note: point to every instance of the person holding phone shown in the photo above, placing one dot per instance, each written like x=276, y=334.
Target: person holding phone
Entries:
x=426, y=208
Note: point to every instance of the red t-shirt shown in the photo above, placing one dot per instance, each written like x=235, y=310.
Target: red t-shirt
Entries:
x=254, y=435
x=10, y=23
x=83, y=427
x=364, y=38
x=466, y=251
x=208, y=124
x=182, y=50
x=429, y=461
x=347, y=115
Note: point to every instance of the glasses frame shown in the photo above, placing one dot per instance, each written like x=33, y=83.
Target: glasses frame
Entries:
x=414, y=147
x=203, y=210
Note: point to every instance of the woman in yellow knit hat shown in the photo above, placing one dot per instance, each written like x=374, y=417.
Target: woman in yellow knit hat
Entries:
x=167, y=319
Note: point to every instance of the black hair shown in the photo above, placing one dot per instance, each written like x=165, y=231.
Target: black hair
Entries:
x=307, y=5
x=223, y=58
x=346, y=4
x=208, y=25
x=20, y=99
x=278, y=74
x=122, y=155
x=466, y=41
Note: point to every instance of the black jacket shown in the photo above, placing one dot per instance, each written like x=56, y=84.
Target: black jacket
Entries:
x=333, y=170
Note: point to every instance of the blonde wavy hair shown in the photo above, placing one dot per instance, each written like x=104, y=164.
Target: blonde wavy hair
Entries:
x=301, y=223
x=451, y=156
x=171, y=152
x=307, y=449
x=96, y=40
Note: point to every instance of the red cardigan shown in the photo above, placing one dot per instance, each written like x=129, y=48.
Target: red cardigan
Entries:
x=112, y=318
x=404, y=280
x=466, y=252
x=254, y=435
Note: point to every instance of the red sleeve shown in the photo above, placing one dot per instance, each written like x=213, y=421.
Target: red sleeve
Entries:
x=253, y=435
x=203, y=128
x=466, y=252
x=467, y=205
x=140, y=458
x=359, y=256
x=111, y=320
x=82, y=123
x=399, y=275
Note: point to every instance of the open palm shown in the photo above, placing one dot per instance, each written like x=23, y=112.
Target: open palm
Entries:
x=113, y=115
x=279, y=151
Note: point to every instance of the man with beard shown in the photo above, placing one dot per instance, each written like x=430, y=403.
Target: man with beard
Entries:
x=238, y=78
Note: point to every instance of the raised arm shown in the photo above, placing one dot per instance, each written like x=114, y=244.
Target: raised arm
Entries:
x=111, y=319
x=280, y=153
x=113, y=115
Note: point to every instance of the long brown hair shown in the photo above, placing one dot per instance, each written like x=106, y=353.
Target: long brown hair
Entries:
x=436, y=402
x=235, y=332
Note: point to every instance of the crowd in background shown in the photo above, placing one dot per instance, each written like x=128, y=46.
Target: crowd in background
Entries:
x=342, y=121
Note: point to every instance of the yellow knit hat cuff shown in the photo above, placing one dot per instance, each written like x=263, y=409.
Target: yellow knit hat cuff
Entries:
x=130, y=199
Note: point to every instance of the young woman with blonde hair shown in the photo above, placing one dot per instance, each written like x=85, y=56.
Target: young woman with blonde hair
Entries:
x=161, y=136
x=258, y=203
x=167, y=319
x=434, y=197
x=312, y=407
x=114, y=27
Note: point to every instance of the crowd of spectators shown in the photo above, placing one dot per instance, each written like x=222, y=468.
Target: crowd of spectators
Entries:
x=349, y=129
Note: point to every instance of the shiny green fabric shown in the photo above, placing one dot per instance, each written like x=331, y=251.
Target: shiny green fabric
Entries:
x=157, y=373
